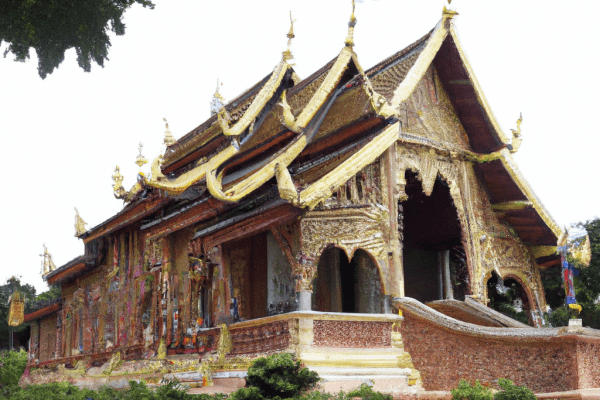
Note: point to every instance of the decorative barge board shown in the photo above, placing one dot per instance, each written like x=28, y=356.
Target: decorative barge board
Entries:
x=303, y=216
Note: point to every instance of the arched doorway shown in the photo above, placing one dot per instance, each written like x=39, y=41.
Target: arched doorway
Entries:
x=509, y=298
x=347, y=286
x=434, y=261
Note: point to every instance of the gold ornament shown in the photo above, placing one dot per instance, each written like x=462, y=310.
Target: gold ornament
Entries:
x=119, y=190
x=47, y=263
x=169, y=139
x=516, y=142
x=140, y=159
x=79, y=224
x=287, y=54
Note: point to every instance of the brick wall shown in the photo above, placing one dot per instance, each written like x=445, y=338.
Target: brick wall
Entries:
x=444, y=357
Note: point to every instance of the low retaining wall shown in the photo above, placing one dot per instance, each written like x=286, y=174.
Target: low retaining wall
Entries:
x=445, y=351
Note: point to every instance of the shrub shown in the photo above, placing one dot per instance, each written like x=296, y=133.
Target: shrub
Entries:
x=12, y=365
x=465, y=391
x=510, y=391
x=366, y=392
x=278, y=376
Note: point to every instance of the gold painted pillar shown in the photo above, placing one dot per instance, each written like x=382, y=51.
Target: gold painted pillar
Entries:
x=396, y=275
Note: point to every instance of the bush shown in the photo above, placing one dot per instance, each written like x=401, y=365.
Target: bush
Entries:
x=510, y=391
x=465, y=391
x=278, y=376
x=366, y=392
x=12, y=366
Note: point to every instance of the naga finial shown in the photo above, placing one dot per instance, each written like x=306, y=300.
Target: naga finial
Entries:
x=516, y=142
x=217, y=102
x=47, y=263
x=140, y=159
x=169, y=139
x=79, y=224
x=351, y=25
x=287, y=54
x=119, y=190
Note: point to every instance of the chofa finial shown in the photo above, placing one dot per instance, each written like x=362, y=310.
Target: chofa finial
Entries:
x=287, y=54
x=47, y=263
x=517, y=140
x=169, y=139
x=351, y=25
x=217, y=102
x=79, y=224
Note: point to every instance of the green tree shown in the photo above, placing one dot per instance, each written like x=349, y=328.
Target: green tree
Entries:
x=51, y=27
x=587, y=285
x=6, y=290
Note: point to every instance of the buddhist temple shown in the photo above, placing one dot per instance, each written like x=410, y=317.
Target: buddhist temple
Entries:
x=354, y=218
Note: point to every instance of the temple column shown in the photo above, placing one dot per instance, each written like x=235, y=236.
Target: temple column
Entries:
x=304, y=271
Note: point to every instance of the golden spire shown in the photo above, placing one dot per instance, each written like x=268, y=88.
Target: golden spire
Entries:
x=119, y=190
x=79, y=224
x=47, y=263
x=351, y=25
x=140, y=159
x=217, y=102
x=287, y=54
x=169, y=139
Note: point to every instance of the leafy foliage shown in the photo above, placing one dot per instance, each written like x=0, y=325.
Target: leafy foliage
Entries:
x=510, y=391
x=366, y=392
x=465, y=391
x=52, y=27
x=587, y=285
x=12, y=365
x=278, y=376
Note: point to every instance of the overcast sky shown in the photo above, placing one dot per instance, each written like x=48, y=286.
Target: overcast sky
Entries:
x=63, y=136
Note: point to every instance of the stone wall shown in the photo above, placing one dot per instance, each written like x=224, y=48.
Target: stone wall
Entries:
x=445, y=356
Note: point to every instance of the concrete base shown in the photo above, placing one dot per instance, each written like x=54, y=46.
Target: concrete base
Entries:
x=304, y=301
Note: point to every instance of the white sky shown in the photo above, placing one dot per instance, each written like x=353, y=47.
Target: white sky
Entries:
x=63, y=136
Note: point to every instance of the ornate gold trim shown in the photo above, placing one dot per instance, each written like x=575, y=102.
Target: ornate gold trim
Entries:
x=263, y=96
x=324, y=187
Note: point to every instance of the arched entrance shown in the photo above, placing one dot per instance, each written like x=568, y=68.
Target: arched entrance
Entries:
x=510, y=298
x=347, y=286
x=433, y=259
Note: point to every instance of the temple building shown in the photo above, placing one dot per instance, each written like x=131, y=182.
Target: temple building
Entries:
x=354, y=218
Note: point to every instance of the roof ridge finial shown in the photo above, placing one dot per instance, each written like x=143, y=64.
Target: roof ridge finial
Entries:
x=448, y=12
x=169, y=139
x=140, y=159
x=217, y=102
x=351, y=25
x=79, y=224
x=287, y=54
x=47, y=262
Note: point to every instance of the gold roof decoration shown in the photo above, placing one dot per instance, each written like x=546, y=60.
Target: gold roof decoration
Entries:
x=79, y=224
x=287, y=54
x=47, y=263
x=447, y=11
x=169, y=139
x=351, y=24
x=140, y=160
x=516, y=133
x=217, y=102
x=119, y=190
